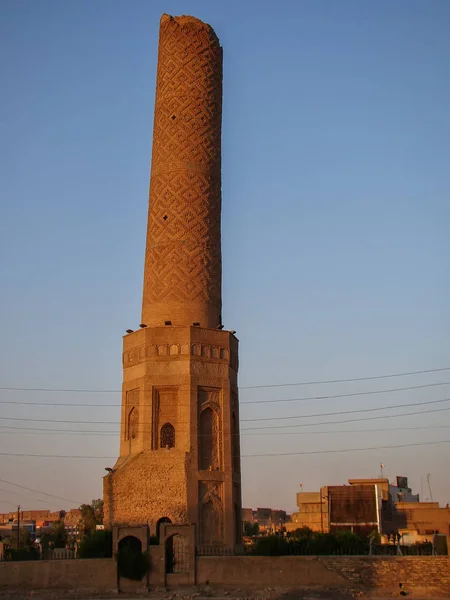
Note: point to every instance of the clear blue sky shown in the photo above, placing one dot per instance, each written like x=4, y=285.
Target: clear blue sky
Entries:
x=336, y=219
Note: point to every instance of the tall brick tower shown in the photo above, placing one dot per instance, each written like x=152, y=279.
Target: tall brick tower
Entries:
x=179, y=444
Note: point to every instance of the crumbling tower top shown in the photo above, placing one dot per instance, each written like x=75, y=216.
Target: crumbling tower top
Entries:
x=183, y=265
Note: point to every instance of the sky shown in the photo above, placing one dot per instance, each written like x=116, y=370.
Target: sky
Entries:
x=335, y=234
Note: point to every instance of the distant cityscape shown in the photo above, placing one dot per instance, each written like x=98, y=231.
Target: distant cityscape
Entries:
x=364, y=506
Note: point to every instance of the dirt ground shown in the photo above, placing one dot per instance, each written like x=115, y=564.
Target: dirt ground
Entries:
x=232, y=594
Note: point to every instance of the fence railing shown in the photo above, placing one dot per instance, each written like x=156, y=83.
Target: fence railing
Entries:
x=297, y=550
x=58, y=554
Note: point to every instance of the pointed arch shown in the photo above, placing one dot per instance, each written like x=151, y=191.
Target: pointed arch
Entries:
x=167, y=436
x=210, y=523
x=132, y=424
x=235, y=459
x=208, y=440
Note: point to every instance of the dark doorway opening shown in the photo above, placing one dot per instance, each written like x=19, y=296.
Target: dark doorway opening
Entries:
x=158, y=526
x=177, y=554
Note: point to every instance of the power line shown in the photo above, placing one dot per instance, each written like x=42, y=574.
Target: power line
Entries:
x=323, y=381
x=349, y=395
x=24, y=487
x=344, y=412
x=55, y=456
x=248, y=455
x=246, y=387
x=420, y=412
x=25, y=431
x=23, y=496
x=278, y=400
x=347, y=449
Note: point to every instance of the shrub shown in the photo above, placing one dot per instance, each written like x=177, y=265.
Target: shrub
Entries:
x=22, y=554
x=97, y=545
x=302, y=533
x=271, y=545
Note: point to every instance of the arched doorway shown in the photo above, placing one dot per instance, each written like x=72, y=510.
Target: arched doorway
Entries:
x=177, y=554
x=131, y=563
x=131, y=544
x=160, y=522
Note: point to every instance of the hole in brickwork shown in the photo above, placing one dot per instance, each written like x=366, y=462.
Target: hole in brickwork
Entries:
x=173, y=117
x=165, y=217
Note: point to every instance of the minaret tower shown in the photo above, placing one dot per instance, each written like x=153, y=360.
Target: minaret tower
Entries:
x=179, y=444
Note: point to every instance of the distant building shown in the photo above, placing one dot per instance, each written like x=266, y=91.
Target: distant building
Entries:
x=247, y=515
x=41, y=518
x=362, y=506
x=268, y=519
x=422, y=521
x=72, y=519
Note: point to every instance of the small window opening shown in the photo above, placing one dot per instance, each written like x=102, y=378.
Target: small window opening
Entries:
x=167, y=438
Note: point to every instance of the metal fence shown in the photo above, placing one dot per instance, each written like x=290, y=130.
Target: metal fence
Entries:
x=305, y=550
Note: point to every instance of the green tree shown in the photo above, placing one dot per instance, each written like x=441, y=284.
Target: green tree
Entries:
x=88, y=520
x=97, y=506
x=302, y=533
x=25, y=541
x=97, y=545
x=271, y=545
x=54, y=536
x=250, y=529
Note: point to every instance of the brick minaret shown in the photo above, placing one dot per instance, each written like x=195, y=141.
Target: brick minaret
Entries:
x=182, y=278
x=179, y=447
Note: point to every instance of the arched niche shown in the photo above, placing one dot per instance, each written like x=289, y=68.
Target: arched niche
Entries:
x=208, y=440
x=167, y=436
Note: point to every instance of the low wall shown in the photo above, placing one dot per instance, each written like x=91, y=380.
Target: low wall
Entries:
x=251, y=571
x=368, y=572
x=365, y=572
x=97, y=575
x=427, y=572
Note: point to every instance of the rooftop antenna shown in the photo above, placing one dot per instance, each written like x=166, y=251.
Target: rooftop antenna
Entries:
x=429, y=486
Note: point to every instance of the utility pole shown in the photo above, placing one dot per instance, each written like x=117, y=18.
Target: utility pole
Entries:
x=429, y=486
x=18, y=526
x=321, y=510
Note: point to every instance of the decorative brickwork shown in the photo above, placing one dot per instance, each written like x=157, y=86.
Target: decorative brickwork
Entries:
x=182, y=281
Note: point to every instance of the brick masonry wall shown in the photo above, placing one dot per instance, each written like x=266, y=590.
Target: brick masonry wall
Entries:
x=93, y=575
x=430, y=572
x=424, y=573
x=252, y=571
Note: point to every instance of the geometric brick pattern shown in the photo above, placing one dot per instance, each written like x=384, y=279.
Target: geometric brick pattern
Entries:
x=183, y=253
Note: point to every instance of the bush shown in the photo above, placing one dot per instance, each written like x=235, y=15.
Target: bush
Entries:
x=97, y=545
x=271, y=545
x=22, y=554
x=306, y=542
x=250, y=529
x=302, y=533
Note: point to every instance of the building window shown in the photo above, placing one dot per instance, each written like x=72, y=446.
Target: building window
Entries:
x=167, y=438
